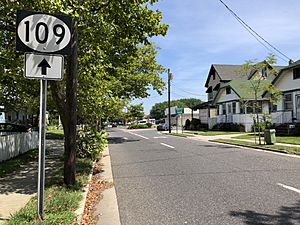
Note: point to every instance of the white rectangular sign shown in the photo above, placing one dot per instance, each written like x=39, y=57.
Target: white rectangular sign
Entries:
x=48, y=67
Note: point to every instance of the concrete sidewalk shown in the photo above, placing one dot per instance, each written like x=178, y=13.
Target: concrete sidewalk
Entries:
x=17, y=188
x=231, y=137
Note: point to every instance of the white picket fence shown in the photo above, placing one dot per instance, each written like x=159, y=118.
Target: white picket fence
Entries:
x=12, y=145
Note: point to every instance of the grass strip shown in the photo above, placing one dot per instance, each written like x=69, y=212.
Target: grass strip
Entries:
x=181, y=135
x=60, y=202
x=15, y=163
x=293, y=140
x=211, y=133
x=55, y=134
x=277, y=148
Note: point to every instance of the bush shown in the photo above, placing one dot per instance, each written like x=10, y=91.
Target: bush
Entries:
x=187, y=124
x=149, y=125
x=91, y=142
x=229, y=127
x=195, y=124
x=138, y=126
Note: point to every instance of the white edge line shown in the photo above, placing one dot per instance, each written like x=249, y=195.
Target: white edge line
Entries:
x=289, y=187
x=169, y=146
x=138, y=135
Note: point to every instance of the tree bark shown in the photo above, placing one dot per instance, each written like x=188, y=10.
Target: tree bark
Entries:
x=70, y=120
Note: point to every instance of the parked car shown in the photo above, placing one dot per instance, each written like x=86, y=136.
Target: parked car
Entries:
x=162, y=127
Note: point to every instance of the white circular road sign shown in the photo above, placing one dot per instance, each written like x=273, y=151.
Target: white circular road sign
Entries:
x=44, y=33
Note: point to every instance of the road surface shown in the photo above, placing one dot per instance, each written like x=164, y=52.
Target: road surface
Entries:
x=168, y=180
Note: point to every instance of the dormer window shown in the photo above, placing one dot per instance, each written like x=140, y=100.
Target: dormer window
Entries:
x=296, y=73
x=228, y=90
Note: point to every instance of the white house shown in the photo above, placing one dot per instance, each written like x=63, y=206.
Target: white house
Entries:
x=228, y=89
x=287, y=110
x=180, y=119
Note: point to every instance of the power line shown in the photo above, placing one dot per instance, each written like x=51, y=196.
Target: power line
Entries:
x=255, y=34
x=191, y=93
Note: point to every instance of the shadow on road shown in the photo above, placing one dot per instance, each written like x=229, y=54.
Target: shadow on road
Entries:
x=286, y=215
x=120, y=140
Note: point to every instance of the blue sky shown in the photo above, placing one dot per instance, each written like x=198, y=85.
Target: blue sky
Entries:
x=203, y=32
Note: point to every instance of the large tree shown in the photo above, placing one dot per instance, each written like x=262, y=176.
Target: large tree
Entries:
x=116, y=60
x=158, y=110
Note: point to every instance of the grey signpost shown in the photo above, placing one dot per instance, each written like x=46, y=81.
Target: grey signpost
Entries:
x=41, y=35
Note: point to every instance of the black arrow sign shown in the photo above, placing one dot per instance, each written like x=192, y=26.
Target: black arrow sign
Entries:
x=44, y=64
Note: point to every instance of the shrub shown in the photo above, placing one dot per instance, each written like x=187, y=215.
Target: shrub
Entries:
x=90, y=142
x=195, y=124
x=187, y=124
x=138, y=126
x=149, y=125
x=229, y=127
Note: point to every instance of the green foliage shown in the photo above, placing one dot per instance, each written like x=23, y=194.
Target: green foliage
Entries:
x=149, y=125
x=135, y=112
x=91, y=142
x=229, y=127
x=195, y=124
x=60, y=202
x=187, y=124
x=138, y=126
x=158, y=110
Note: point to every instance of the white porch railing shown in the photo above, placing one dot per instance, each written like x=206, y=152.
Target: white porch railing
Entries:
x=282, y=117
x=15, y=144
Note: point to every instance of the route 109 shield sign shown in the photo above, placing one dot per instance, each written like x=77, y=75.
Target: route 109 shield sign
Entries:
x=45, y=33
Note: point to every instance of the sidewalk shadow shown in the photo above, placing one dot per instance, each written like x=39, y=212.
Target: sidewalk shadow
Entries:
x=287, y=215
x=24, y=181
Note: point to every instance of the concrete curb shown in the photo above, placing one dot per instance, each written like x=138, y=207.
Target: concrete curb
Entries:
x=107, y=210
x=249, y=146
x=79, y=212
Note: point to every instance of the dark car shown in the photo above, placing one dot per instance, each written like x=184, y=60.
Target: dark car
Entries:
x=162, y=127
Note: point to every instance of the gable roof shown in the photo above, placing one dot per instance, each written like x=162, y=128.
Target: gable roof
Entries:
x=225, y=72
x=231, y=72
x=242, y=88
x=283, y=68
x=291, y=66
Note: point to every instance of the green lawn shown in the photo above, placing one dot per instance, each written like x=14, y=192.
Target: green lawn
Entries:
x=295, y=140
x=60, y=201
x=55, y=134
x=211, y=133
x=293, y=150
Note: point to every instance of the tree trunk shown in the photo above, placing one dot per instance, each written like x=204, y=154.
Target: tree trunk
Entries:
x=70, y=120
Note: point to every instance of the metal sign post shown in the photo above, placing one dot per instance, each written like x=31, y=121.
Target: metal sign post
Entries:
x=42, y=145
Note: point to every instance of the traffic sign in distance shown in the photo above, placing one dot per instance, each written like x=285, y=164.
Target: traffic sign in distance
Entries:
x=48, y=67
x=46, y=33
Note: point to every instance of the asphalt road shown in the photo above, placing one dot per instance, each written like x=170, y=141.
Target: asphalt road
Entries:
x=167, y=180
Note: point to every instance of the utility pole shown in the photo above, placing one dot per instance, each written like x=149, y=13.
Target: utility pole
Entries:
x=170, y=77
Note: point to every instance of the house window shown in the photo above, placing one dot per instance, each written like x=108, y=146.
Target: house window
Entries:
x=272, y=107
x=296, y=73
x=214, y=76
x=224, y=109
x=218, y=110
x=228, y=90
x=242, y=108
x=288, y=102
x=264, y=72
x=234, y=107
x=250, y=108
